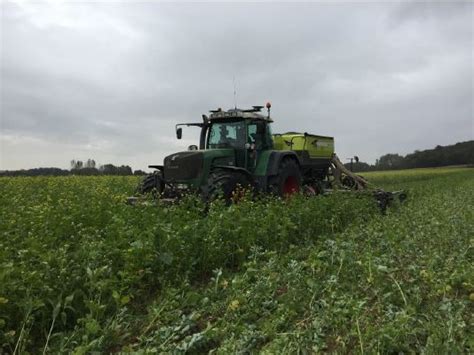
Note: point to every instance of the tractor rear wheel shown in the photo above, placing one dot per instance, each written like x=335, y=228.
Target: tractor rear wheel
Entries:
x=152, y=183
x=226, y=184
x=288, y=180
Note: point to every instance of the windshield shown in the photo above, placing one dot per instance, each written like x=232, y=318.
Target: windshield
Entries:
x=227, y=135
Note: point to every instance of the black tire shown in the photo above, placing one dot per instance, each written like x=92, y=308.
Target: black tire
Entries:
x=225, y=184
x=151, y=183
x=349, y=182
x=288, y=180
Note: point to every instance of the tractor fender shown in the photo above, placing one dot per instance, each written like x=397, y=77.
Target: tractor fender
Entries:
x=236, y=169
x=159, y=167
x=275, y=159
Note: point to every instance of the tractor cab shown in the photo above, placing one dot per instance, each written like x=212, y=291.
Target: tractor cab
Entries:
x=241, y=133
x=245, y=131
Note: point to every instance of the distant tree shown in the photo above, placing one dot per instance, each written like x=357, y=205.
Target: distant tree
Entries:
x=87, y=168
x=36, y=172
x=90, y=163
x=108, y=169
x=457, y=154
x=85, y=171
x=359, y=166
x=139, y=172
x=125, y=170
x=76, y=164
x=389, y=161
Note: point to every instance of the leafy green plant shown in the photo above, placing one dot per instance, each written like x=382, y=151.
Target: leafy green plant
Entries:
x=82, y=271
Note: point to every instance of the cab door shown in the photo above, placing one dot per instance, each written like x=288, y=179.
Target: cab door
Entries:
x=256, y=143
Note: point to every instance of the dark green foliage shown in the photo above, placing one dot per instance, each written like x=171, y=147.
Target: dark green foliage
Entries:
x=139, y=172
x=110, y=169
x=396, y=283
x=456, y=154
x=36, y=172
x=359, y=166
x=74, y=242
x=78, y=168
x=459, y=153
x=85, y=171
x=80, y=270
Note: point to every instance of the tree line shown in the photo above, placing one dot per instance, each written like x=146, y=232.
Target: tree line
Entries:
x=457, y=154
x=78, y=167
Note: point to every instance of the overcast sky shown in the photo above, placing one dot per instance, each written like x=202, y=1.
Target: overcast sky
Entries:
x=109, y=80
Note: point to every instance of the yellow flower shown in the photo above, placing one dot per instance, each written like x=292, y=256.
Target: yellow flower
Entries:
x=233, y=305
x=10, y=334
x=224, y=284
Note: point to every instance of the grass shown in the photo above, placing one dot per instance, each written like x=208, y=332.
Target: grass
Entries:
x=81, y=271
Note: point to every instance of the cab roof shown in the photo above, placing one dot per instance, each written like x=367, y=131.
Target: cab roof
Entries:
x=236, y=113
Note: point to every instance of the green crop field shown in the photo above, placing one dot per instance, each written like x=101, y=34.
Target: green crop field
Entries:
x=81, y=271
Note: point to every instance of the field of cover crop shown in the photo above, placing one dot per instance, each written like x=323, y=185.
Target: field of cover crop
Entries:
x=81, y=271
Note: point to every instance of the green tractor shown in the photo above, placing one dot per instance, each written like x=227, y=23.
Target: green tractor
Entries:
x=237, y=149
x=237, y=152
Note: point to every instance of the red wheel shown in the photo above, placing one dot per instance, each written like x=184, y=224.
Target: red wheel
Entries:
x=288, y=180
x=290, y=186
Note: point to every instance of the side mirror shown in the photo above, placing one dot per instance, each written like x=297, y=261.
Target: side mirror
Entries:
x=179, y=133
x=193, y=147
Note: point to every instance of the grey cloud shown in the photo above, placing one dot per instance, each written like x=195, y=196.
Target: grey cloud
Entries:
x=111, y=80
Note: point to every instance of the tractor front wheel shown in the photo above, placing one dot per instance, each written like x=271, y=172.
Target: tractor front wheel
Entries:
x=152, y=183
x=288, y=180
x=228, y=185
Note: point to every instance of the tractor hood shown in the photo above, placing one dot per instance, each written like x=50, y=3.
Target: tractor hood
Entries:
x=190, y=165
x=183, y=165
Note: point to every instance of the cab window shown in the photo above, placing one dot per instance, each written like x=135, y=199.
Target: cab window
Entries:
x=227, y=135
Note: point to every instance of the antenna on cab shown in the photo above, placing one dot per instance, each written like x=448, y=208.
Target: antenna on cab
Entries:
x=235, y=93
